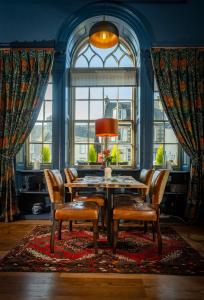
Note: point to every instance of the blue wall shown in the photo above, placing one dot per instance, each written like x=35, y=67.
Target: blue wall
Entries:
x=54, y=20
x=28, y=20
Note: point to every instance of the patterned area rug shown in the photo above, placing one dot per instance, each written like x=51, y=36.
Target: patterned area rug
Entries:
x=136, y=253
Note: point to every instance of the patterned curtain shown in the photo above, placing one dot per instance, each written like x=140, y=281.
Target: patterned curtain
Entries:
x=180, y=78
x=24, y=75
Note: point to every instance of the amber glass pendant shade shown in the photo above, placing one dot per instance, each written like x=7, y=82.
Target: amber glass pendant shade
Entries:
x=104, y=34
x=106, y=127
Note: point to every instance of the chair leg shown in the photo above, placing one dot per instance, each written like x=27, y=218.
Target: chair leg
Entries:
x=115, y=234
x=145, y=227
x=52, y=237
x=70, y=225
x=60, y=230
x=159, y=238
x=95, y=235
x=153, y=231
x=103, y=210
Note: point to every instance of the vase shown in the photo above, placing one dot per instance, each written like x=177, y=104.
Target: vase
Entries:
x=107, y=172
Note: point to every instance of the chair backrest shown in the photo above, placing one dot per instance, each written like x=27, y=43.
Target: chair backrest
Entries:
x=158, y=184
x=55, y=185
x=71, y=174
x=146, y=178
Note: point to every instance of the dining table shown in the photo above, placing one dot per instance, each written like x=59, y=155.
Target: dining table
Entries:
x=110, y=185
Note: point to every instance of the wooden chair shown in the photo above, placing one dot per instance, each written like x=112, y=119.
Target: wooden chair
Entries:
x=68, y=211
x=142, y=211
x=71, y=175
x=145, y=177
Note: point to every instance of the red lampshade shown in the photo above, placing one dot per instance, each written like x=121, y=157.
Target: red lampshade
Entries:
x=106, y=127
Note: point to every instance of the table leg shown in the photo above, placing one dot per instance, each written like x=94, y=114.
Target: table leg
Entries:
x=109, y=215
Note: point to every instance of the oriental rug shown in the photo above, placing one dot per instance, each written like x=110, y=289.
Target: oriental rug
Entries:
x=136, y=253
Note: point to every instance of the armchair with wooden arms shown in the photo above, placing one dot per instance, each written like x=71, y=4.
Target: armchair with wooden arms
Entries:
x=142, y=211
x=68, y=211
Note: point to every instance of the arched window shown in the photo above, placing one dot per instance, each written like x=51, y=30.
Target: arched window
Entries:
x=103, y=84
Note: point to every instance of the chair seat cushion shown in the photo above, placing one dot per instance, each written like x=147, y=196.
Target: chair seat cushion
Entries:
x=90, y=198
x=77, y=211
x=135, y=211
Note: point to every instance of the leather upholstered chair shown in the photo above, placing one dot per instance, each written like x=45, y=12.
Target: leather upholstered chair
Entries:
x=142, y=211
x=68, y=211
x=71, y=175
x=145, y=177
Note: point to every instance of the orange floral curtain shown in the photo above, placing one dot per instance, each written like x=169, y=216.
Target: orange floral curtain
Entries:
x=24, y=75
x=180, y=78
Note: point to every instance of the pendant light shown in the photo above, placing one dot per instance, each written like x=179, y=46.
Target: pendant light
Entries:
x=106, y=127
x=104, y=34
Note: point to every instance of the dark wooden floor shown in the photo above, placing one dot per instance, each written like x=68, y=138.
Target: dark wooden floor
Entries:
x=54, y=286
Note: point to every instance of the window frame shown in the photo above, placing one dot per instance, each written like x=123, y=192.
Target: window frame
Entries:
x=73, y=121
x=28, y=161
x=164, y=121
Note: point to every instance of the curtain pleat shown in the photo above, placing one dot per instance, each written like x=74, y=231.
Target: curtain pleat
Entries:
x=24, y=75
x=180, y=78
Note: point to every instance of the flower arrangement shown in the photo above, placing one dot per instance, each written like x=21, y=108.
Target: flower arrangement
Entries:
x=107, y=158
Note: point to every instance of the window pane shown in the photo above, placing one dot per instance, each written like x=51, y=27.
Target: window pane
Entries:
x=89, y=53
x=47, y=130
x=169, y=134
x=81, y=153
x=165, y=117
x=124, y=110
x=103, y=53
x=157, y=96
x=124, y=133
x=125, y=154
x=81, y=110
x=36, y=133
x=171, y=153
x=81, y=62
x=96, y=62
x=158, y=132
x=46, y=154
x=96, y=93
x=158, y=111
x=96, y=110
x=126, y=62
x=35, y=152
x=81, y=132
x=81, y=93
x=125, y=92
x=92, y=135
x=118, y=53
x=158, y=154
x=93, y=153
x=48, y=110
x=111, y=63
x=111, y=92
x=110, y=109
x=48, y=94
x=40, y=116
